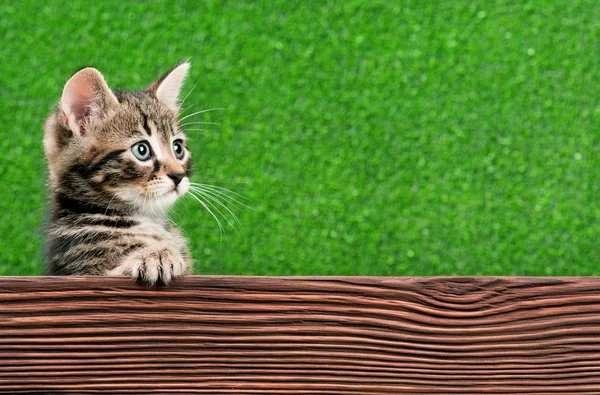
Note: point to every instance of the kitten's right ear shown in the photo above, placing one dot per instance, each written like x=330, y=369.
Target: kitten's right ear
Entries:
x=167, y=88
x=86, y=97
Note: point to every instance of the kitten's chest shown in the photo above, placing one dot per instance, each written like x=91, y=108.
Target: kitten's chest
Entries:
x=156, y=231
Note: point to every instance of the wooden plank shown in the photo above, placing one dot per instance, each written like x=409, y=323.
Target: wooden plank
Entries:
x=299, y=335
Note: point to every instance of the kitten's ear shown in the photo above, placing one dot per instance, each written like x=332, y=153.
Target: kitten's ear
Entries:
x=168, y=87
x=86, y=97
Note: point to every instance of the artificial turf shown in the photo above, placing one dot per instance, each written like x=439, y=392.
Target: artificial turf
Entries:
x=370, y=137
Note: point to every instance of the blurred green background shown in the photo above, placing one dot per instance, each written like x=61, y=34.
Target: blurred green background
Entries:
x=370, y=137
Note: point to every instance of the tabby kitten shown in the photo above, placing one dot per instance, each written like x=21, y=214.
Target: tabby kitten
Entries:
x=117, y=160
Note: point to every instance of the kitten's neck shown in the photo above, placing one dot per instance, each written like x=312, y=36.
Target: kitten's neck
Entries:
x=66, y=205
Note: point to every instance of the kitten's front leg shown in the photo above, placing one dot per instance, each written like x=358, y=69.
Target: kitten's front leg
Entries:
x=154, y=266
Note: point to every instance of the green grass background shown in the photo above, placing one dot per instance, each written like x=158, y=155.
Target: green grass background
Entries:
x=370, y=137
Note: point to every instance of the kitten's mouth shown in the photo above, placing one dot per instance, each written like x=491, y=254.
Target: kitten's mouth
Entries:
x=170, y=192
x=165, y=195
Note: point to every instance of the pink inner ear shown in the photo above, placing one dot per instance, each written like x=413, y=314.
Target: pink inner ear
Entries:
x=81, y=109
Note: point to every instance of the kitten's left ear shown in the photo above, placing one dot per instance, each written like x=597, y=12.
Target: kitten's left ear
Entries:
x=168, y=87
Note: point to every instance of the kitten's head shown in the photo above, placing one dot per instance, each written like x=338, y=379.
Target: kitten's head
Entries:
x=118, y=150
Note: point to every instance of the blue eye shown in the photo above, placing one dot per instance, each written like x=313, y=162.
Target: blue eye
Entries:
x=141, y=151
x=178, y=149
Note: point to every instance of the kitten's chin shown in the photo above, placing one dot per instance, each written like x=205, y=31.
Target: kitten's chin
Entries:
x=162, y=202
x=171, y=196
x=157, y=206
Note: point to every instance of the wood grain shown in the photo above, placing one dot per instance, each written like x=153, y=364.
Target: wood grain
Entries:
x=298, y=335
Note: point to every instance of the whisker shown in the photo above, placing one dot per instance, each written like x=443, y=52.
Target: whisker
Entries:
x=210, y=211
x=183, y=110
x=137, y=197
x=198, y=123
x=226, y=199
x=168, y=211
x=144, y=202
x=187, y=196
x=218, y=193
x=217, y=209
x=212, y=194
x=153, y=203
x=173, y=211
x=200, y=112
x=220, y=188
x=221, y=181
x=109, y=203
x=235, y=218
x=191, y=90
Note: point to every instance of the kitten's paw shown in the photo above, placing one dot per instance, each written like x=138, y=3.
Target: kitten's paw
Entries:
x=154, y=267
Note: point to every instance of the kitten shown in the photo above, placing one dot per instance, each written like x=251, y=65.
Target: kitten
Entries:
x=117, y=160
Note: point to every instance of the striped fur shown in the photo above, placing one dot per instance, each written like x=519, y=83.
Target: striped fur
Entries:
x=108, y=205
